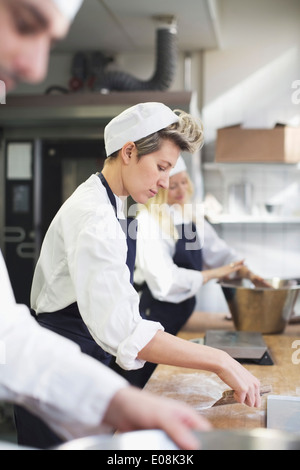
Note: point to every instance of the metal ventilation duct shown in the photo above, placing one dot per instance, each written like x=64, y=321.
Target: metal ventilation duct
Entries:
x=166, y=61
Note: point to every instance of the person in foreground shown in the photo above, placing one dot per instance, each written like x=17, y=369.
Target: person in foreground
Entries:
x=73, y=393
x=46, y=373
x=82, y=282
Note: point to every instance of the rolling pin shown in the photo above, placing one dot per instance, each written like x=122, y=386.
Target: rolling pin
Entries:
x=228, y=396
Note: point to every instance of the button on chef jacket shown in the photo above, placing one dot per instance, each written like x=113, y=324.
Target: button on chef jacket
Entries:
x=48, y=374
x=83, y=260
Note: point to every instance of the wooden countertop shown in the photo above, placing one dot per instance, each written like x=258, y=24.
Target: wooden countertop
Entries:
x=201, y=389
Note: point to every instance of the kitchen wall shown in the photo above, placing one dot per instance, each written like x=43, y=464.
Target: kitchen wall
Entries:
x=248, y=80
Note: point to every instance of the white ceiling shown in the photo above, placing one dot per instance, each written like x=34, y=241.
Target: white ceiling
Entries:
x=122, y=26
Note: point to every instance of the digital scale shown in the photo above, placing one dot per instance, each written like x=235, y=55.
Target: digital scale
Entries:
x=244, y=346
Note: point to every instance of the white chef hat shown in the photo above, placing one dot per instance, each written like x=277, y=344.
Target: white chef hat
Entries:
x=135, y=123
x=179, y=167
x=68, y=8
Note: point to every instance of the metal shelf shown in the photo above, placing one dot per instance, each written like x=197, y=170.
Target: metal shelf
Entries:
x=212, y=166
x=252, y=219
x=80, y=108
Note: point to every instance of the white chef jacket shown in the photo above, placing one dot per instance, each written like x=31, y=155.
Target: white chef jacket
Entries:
x=154, y=260
x=83, y=260
x=48, y=374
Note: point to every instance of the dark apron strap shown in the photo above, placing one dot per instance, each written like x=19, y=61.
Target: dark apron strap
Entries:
x=129, y=227
x=110, y=194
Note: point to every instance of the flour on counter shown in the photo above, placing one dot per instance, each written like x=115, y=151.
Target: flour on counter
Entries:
x=200, y=390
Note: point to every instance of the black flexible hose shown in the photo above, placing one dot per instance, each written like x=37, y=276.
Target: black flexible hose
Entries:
x=166, y=60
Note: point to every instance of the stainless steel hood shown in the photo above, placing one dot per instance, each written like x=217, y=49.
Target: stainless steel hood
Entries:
x=23, y=111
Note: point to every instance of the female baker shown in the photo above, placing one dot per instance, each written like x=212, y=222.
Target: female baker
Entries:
x=81, y=286
x=182, y=254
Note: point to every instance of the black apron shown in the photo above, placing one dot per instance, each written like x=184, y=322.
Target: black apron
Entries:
x=171, y=315
x=68, y=322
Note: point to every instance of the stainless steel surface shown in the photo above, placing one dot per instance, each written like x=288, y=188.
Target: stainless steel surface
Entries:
x=283, y=413
x=80, y=109
x=238, y=344
x=255, y=439
x=137, y=440
x=264, y=310
x=11, y=446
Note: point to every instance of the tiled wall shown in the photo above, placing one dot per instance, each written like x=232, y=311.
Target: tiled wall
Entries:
x=270, y=249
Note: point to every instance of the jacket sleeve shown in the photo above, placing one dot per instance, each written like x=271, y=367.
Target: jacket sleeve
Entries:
x=155, y=266
x=108, y=303
x=48, y=374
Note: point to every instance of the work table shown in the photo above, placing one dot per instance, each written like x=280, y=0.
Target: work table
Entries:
x=201, y=389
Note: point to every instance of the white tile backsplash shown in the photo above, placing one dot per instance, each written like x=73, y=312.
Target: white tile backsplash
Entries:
x=270, y=249
x=267, y=181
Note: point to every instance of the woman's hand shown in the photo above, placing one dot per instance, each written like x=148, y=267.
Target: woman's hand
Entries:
x=239, y=379
x=256, y=280
x=222, y=272
x=259, y=281
x=133, y=409
x=165, y=348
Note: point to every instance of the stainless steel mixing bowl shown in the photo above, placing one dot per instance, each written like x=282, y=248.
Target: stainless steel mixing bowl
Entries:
x=264, y=310
x=239, y=439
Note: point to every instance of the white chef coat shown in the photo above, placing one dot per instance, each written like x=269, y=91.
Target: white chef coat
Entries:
x=48, y=374
x=83, y=260
x=154, y=260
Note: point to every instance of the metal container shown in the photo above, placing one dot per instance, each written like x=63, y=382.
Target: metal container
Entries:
x=136, y=440
x=264, y=310
x=252, y=439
